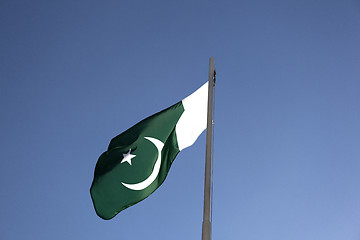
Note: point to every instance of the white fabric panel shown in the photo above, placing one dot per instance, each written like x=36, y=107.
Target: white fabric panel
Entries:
x=193, y=120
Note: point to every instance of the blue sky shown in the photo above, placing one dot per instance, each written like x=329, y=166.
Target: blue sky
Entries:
x=74, y=74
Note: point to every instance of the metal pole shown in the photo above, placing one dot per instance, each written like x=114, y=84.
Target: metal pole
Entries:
x=206, y=225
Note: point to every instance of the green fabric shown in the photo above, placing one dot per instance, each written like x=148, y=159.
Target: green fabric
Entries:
x=108, y=193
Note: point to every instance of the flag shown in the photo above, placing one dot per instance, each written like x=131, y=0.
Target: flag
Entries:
x=138, y=160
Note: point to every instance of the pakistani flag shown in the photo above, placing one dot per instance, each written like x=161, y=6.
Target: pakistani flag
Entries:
x=138, y=160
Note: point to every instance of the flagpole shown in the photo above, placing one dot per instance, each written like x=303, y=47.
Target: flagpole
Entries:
x=206, y=225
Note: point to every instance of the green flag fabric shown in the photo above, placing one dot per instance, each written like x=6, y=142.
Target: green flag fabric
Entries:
x=138, y=160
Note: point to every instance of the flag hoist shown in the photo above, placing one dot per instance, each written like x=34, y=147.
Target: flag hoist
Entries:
x=138, y=160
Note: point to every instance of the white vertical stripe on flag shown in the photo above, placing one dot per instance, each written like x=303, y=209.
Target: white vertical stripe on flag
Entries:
x=193, y=121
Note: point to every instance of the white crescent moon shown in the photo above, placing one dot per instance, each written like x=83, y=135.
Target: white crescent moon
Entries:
x=144, y=184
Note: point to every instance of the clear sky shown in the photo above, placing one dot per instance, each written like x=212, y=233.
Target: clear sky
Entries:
x=74, y=74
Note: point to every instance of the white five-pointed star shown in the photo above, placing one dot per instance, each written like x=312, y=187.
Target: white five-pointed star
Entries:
x=128, y=157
